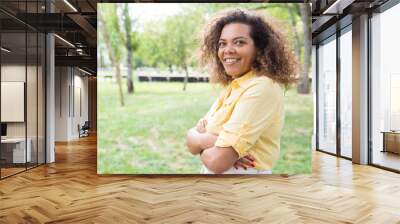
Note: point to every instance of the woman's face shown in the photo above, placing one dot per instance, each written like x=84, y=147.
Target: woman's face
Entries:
x=236, y=49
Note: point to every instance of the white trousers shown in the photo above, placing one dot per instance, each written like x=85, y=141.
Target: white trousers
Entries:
x=240, y=170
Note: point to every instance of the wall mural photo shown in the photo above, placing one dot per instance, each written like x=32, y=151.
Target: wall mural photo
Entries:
x=204, y=88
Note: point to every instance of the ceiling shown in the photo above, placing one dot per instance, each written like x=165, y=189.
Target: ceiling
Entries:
x=328, y=15
x=73, y=21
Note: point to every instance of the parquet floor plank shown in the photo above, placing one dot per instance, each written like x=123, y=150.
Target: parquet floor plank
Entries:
x=70, y=191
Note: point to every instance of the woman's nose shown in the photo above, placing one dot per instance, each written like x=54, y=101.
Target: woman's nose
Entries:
x=230, y=49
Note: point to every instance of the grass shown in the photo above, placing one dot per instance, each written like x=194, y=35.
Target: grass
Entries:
x=147, y=135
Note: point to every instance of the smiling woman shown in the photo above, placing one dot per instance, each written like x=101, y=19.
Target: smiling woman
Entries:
x=236, y=49
x=241, y=132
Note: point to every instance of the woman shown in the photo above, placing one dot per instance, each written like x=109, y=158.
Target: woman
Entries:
x=241, y=132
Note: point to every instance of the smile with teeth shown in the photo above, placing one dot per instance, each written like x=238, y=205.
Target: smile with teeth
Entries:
x=231, y=60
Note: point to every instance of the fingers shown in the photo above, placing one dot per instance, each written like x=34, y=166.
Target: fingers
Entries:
x=249, y=157
x=238, y=165
x=202, y=122
x=201, y=126
x=247, y=161
x=200, y=129
x=243, y=163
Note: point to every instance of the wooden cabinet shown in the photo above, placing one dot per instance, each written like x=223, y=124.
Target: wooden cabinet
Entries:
x=391, y=141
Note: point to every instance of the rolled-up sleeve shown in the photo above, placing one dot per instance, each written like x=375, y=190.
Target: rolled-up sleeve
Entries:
x=254, y=111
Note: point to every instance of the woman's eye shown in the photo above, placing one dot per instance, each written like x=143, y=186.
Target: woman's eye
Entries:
x=239, y=42
x=221, y=44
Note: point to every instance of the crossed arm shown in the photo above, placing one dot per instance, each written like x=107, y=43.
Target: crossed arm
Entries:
x=216, y=159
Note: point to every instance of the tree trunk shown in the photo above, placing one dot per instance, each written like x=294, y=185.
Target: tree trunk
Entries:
x=170, y=68
x=185, y=80
x=129, y=47
x=292, y=12
x=112, y=57
x=102, y=63
x=121, y=94
x=131, y=89
x=303, y=85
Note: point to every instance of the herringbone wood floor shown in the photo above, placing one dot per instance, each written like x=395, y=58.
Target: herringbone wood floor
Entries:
x=70, y=191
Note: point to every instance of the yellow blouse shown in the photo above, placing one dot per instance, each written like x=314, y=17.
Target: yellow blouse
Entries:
x=249, y=117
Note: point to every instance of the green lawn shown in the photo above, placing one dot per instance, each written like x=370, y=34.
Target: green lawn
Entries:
x=147, y=135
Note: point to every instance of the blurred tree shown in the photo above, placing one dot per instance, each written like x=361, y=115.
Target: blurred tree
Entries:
x=188, y=25
x=177, y=40
x=130, y=45
x=303, y=85
x=167, y=46
x=149, y=48
x=294, y=12
x=102, y=60
x=102, y=53
x=112, y=38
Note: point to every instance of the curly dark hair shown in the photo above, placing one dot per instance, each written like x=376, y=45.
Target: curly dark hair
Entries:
x=275, y=58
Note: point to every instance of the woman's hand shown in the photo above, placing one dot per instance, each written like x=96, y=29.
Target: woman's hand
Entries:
x=245, y=162
x=197, y=142
x=201, y=126
x=193, y=141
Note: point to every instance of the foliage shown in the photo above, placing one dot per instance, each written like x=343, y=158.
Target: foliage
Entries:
x=169, y=42
x=173, y=40
x=111, y=23
x=113, y=39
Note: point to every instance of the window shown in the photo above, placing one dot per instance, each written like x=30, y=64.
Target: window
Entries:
x=385, y=87
x=346, y=75
x=22, y=67
x=327, y=95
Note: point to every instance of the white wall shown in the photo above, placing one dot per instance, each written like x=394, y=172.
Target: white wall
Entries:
x=80, y=110
x=71, y=94
x=62, y=81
